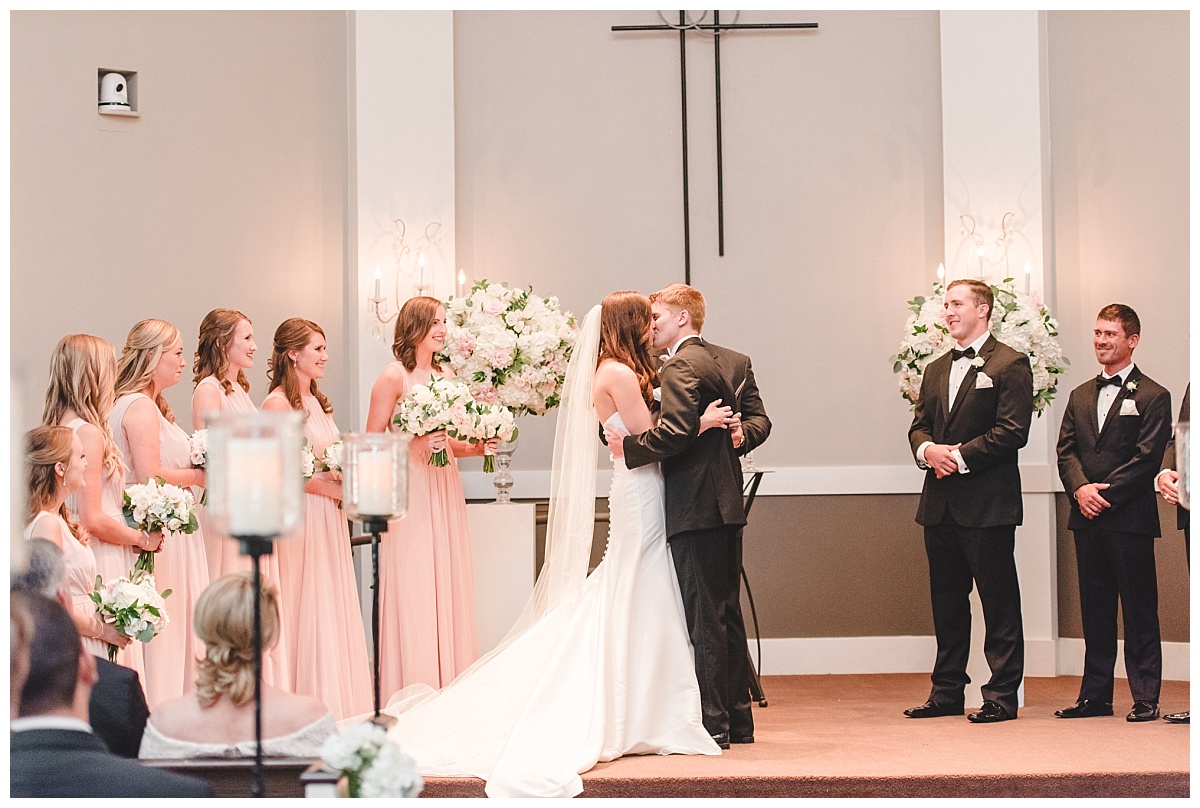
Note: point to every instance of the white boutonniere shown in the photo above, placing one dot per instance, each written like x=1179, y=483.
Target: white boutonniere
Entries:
x=1129, y=407
x=983, y=381
x=1131, y=385
x=977, y=362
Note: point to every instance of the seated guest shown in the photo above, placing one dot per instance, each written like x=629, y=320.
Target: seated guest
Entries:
x=217, y=720
x=52, y=751
x=117, y=708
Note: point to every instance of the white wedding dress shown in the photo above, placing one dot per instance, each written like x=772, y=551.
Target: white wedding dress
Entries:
x=599, y=666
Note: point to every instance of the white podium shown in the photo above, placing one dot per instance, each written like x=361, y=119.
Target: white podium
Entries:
x=502, y=553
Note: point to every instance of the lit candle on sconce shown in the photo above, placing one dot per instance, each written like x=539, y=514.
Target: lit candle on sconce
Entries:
x=941, y=273
x=462, y=282
x=1028, y=274
x=421, y=268
x=979, y=253
x=378, y=275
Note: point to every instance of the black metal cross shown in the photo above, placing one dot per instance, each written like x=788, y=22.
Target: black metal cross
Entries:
x=716, y=29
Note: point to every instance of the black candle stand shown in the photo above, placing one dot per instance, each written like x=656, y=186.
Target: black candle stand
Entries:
x=256, y=547
x=376, y=525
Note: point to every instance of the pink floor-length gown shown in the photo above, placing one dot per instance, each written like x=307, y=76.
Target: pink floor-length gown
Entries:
x=328, y=648
x=426, y=581
x=79, y=576
x=181, y=566
x=113, y=560
x=224, y=556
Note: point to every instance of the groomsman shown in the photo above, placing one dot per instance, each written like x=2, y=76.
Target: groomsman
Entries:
x=1167, y=483
x=970, y=421
x=1110, y=448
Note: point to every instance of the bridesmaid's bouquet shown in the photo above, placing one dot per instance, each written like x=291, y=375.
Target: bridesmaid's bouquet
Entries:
x=443, y=404
x=159, y=506
x=510, y=345
x=198, y=447
x=490, y=421
x=331, y=458
x=308, y=460
x=133, y=606
x=373, y=764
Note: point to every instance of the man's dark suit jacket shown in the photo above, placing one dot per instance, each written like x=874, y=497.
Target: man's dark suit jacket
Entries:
x=117, y=709
x=756, y=426
x=702, y=472
x=1185, y=411
x=991, y=423
x=1127, y=454
x=73, y=763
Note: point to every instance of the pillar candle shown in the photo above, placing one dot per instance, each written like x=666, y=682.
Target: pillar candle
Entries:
x=374, y=483
x=255, y=492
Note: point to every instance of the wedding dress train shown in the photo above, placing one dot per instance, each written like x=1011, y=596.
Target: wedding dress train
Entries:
x=598, y=667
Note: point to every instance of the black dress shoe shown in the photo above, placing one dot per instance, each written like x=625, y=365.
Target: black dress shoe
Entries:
x=1143, y=711
x=748, y=738
x=722, y=739
x=989, y=713
x=1085, y=709
x=1178, y=718
x=933, y=710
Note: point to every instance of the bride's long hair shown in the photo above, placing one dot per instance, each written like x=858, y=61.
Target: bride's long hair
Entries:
x=625, y=320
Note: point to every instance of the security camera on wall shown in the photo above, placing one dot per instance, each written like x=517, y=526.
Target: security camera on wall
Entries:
x=114, y=92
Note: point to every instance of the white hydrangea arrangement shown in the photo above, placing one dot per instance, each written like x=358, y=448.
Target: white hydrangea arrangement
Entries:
x=373, y=764
x=159, y=506
x=133, y=606
x=1019, y=320
x=510, y=346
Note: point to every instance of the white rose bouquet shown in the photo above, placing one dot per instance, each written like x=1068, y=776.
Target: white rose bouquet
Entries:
x=443, y=404
x=308, y=460
x=133, y=606
x=198, y=445
x=159, y=506
x=490, y=421
x=1019, y=320
x=331, y=458
x=509, y=345
x=373, y=764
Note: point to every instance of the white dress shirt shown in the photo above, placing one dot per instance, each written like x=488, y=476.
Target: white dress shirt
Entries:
x=49, y=722
x=1108, y=394
x=675, y=347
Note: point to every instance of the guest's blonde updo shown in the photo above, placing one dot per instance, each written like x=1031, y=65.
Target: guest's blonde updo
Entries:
x=83, y=375
x=212, y=351
x=143, y=348
x=293, y=334
x=224, y=621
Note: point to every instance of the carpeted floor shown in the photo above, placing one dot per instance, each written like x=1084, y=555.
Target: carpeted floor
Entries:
x=845, y=736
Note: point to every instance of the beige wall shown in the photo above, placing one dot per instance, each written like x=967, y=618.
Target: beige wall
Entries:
x=229, y=190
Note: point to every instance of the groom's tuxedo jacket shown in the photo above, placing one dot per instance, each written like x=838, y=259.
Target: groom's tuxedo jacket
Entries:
x=1126, y=453
x=702, y=472
x=756, y=426
x=990, y=418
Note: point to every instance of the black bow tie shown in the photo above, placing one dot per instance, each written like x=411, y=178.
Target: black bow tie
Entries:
x=969, y=353
x=1102, y=382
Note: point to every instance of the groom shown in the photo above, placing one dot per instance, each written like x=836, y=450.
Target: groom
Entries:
x=704, y=508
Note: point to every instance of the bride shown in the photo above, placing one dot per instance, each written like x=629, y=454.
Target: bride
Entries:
x=597, y=666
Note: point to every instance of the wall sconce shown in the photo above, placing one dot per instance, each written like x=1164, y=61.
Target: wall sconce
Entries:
x=415, y=263
x=999, y=252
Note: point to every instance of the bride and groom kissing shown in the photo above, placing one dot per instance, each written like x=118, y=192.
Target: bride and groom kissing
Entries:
x=647, y=653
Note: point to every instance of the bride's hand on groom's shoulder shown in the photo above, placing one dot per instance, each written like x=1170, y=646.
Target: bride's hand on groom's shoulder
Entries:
x=616, y=441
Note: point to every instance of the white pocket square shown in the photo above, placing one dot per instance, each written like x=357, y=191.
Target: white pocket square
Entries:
x=1129, y=407
x=983, y=381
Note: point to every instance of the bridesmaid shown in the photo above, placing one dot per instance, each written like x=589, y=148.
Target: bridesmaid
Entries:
x=153, y=445
x=83, y=373
x=322, y=618
x=225, y=352
x=426, y=581
x=56, y=464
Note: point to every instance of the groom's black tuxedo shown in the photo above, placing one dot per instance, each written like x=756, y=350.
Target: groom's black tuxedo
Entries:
x=704, y=514
x=756, y=426
x=970, y=519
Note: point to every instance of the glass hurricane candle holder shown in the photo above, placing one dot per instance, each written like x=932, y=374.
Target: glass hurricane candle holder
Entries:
x=374, y=477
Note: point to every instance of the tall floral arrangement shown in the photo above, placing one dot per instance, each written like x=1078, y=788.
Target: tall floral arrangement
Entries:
x=1019, y=320
x=509, y=346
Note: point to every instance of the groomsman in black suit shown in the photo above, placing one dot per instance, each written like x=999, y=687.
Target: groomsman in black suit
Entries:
x=52, y=751
x=971, y=419
x=1167, y=483
x=704, y=510
x=1110, y=448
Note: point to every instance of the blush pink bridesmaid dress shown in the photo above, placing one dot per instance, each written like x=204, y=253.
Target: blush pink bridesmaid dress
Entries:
x=426, y=581
x=79, y=575
x=323, y=621
x=181, y=566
